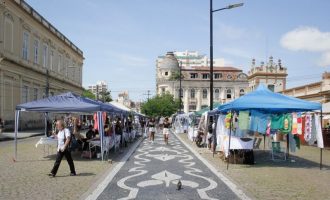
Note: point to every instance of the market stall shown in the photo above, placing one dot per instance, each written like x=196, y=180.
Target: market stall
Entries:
x=66, y=103
x=259, y=105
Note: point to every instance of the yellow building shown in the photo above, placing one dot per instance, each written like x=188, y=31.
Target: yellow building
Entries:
x=35, y=60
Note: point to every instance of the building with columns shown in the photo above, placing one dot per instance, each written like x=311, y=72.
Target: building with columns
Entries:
x=272, y=74
x=36, y=60
x=229, y=83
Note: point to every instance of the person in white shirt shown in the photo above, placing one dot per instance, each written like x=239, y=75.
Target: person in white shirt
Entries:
x=63, y=137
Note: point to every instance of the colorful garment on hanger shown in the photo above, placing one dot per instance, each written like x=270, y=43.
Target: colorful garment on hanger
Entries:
x=243, y=120
x=294, y=124
x=308, y=127
x=319, y=135
x=299, y=124
x=287, y=124
x=258, y=121
x=268, y=128
x=228, y=120
x=277, y=122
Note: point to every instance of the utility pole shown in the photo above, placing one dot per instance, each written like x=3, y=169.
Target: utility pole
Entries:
x=148, y=94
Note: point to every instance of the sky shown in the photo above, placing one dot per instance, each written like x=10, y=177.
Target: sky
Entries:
x=121, y=39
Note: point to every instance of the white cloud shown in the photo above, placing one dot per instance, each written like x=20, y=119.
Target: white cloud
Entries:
x=306, y=39
x=325, y=59
x=309, y=39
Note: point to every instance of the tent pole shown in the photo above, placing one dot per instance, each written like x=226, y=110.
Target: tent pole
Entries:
x=16, y=130
x=322, y=138
x=264, y=141
x=45, y=115
x=214, y=133
x=230, y=126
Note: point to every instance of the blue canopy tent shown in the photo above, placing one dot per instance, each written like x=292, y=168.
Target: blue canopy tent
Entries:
x=66, y=102
x=262, y=99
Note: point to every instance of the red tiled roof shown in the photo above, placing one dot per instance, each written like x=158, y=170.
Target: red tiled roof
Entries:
x=217, y=68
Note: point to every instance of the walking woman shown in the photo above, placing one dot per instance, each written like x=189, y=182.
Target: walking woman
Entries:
x=166, y=130
x=152, y=129
x=63, y=137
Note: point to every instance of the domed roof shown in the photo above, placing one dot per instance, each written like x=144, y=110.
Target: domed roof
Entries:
x=169, y=62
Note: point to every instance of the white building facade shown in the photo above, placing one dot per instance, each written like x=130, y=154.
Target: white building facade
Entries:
x=229, y=82
x=98, y=88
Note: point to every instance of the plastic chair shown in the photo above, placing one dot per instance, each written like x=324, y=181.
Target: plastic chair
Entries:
x=277, y=152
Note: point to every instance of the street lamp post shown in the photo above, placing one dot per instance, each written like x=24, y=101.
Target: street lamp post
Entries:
x=211, y=44
x=180, y=90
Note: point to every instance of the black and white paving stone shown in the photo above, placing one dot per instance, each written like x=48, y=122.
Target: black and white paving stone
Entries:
x=154, y=169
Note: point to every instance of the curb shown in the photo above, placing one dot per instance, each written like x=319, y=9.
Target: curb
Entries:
x=13, y=138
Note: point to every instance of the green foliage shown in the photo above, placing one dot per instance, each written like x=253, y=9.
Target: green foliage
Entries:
x=88, y=94
x=105, y=96
x=160, y=105
x=175, y=76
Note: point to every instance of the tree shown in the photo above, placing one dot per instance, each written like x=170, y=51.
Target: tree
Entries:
x=160, y=105
x=88, y=94
x=105, y=96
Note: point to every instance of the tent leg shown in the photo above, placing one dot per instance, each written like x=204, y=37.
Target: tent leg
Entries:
x=323, y=140
x=264, y=141
x=16, y=130
x=321, y=158
x=231, y=121
x=46, y=128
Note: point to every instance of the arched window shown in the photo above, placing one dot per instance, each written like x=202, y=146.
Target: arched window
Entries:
x=204, y=93
x=216, y=94
x=228, y=93
x=241, y=92
x=192, y=93
x=8, y=33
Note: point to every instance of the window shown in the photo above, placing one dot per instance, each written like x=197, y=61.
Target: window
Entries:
x=205, y=76
x=9, y=41
x=36, y=51
x=241, y=92
x=204, y=93
x=45, y=56
x=51, y=58
x=216, y=94
x=166, y=73
x=271, y=87
x=217, y=75
x=25, y=94
x=192, y=93
x=35, y=94
x=59, y=64
x=193, y=75
x=163, y=90
x=204, y=106
x=229, y=77
x=228, y=93
x=192, y=107
x=25, y=47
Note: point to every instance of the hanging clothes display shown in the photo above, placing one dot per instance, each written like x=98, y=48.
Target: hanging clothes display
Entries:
x=308, y=127
x=313, y=131
x=277, y=122
x=319, y=136
x=294, y=124
x=258, y=121
x=299, y=124
x=228, y=120
x=268, y=131
x=243, y=120
x=292, y=143
x=287, y=124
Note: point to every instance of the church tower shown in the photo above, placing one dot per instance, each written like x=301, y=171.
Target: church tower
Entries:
x=273, y=75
